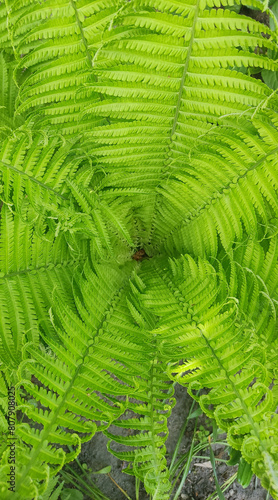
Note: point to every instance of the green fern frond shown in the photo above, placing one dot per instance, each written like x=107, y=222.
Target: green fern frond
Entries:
x=143, y=446
x=107, y=219
x=176, y=61
x=42, y=180
x=56, y=46
x=175, y=73
x=254, y=262
x=87, y=369
x=4, y=35
x=227, y=187
x=222, y=344
x=31, y=268
x=144, y=443
x=33, y=172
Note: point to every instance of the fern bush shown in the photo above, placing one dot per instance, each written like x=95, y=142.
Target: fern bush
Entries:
x=131, y=125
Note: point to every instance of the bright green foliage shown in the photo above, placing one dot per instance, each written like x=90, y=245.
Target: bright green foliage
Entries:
x=129, y=125
x=8, y=93
x=32, y=266
x=228, y=188
x=222, y=341
x=55, y=44
x=71, y=372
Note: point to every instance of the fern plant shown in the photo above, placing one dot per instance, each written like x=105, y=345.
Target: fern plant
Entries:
x=136, y=125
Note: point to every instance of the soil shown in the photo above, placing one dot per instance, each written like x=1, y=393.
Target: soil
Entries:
x=261, y=17
x=199, y=483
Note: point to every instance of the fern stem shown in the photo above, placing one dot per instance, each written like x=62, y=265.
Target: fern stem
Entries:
x=178, y=105
x=42, y=268
x=185, y=68
x=33, y=179
x=79, y=24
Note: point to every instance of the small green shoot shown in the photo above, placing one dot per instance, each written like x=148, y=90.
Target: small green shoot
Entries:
x=212, y=459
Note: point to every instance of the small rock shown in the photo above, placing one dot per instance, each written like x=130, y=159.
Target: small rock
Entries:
x=184, y=496
x=222, y=469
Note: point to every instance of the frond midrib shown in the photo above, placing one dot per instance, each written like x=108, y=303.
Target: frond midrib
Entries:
x=179, y=100
x=33, y=179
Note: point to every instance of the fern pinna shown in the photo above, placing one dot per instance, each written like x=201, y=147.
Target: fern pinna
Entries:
x=129, y=125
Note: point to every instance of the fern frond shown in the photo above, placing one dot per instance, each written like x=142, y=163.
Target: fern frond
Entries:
x=31, y=268
x=42, y=180
x=108, y=220
x=174, y=153
x=254, y=261
x=222, y=344
x=226, y=188
x=33, y=172
x=57, y=42
x=90, y=367
x=175, y=73
x=143, y=446
x=4, y=35
x=177, y=60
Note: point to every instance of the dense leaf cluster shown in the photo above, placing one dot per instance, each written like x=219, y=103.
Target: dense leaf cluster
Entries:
x=130, y=125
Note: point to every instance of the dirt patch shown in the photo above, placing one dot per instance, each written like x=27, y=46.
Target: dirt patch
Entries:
x=257, y=15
